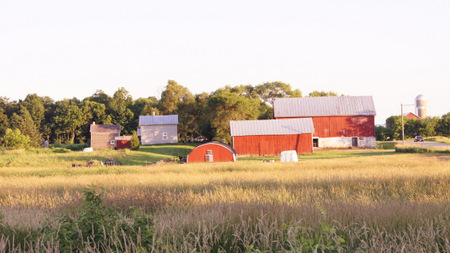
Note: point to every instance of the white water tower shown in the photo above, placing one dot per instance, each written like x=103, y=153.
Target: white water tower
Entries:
x=421, y=106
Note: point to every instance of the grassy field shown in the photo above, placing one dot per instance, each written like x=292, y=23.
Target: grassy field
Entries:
x=332, y=201
x=441, y=139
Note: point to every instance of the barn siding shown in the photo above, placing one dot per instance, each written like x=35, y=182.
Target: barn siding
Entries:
x=103, y=140
x=272, y=144
x=220, y=154
x=348, y=126
x=123, y=144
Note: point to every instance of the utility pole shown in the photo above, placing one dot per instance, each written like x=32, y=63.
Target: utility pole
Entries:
x=403, y=125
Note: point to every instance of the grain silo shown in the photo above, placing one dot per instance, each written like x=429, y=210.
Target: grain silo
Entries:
x=421, y=106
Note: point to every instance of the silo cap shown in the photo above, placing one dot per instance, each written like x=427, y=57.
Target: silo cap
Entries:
x=421, y=97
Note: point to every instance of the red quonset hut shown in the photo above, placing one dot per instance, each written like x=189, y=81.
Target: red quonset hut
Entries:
x=212, y=152
x=271, y=137
x=339, y=122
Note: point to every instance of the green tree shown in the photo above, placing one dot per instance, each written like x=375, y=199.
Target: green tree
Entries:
x=422, y=127
x=202, y=125
x=172, y=96
x=69, y=117
x=134, y=140
x=4, y=122
x=242, y=90
x=394, y=123
x=432, y=126
x=24, y=122
x=120, y=112
x=93, y=112
x=443, y=126
x=47, y=129
x=177, y=99
x=270, y=90
x=383, y=133
x=100, y=97
x=224, y=107
x=188, y=117
x=35, y=105
x=323, y=94
x=145, y=106
x=9, y=107
x=14, y=139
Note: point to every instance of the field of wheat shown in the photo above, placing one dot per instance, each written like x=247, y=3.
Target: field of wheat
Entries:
x=332, y=201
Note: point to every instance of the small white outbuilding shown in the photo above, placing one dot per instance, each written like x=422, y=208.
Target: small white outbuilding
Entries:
x=289, y=156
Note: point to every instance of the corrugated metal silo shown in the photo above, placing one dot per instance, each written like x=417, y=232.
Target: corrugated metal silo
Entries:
x=421, y=106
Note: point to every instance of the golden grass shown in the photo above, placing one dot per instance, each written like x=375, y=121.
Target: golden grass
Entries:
x=385, y=193
x=441, y=139
x=411, y=177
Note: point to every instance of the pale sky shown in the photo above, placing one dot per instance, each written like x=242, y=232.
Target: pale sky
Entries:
x=391, y=50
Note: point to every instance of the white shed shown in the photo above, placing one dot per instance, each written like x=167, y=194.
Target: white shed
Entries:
x=158, y=129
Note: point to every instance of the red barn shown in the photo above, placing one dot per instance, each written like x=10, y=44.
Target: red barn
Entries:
x=212, y=152
x=411, y=115
x=338, y=121
x=271, y=137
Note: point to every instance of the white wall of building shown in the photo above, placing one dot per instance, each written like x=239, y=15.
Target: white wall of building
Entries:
x=159, y=134
x=346, y=142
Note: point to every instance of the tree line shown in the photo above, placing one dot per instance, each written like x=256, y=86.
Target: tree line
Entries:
x=36, y=118
x=429, y=126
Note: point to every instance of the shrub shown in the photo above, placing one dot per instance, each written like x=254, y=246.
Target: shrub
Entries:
x=39, y=150
x=73, y=147
x=134, y=141
x=14, y=139
x=419, y=149
x=307, y=239
x=60, y=150
x=98, y=226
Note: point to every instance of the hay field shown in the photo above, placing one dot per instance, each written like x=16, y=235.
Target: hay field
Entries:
x=376, y=201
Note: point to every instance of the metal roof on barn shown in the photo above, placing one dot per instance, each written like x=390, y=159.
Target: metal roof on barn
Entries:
x=158, y=120
x=271, y=127
x=104, y=128
x=231, y=149
x=323, y=106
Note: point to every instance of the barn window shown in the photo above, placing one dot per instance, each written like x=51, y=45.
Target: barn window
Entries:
x=209, y=152
x=316, y=142
x=165, y=136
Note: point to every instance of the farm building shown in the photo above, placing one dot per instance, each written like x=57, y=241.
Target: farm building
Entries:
x=271, y=137
x=212, y=152
x=339, y=122
x=411, y=115
x=123, y=142
x=158, y=129
x=103, y=136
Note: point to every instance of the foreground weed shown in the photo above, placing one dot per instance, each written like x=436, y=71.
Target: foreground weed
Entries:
x=307, y=239
x=97, y=224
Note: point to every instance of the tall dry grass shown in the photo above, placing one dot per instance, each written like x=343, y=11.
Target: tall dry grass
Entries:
x=388, y=202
